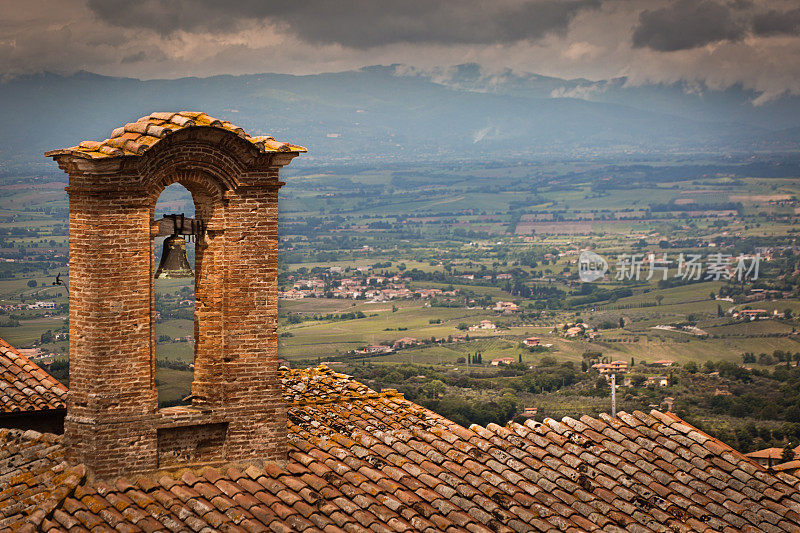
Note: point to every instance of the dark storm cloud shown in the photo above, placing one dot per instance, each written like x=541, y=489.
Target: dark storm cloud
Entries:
x=688, y=24
x=356, y=23
x=134, y=58
x=777, y=23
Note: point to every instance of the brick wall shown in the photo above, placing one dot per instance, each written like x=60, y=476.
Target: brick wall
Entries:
x=184, y=445
x=113, y=423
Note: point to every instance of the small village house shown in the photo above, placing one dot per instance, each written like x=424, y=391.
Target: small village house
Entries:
x=532, y=341
x=656, y=381
x=664, y=362
x=614, y=367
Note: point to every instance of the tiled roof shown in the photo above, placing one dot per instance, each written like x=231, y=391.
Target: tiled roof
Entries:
x=770, y=453
x=366, y=461
x=788, y=465
x=135, y=138
x=26, y=387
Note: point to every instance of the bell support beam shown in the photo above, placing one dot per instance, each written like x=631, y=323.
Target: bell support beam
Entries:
x=178, y=225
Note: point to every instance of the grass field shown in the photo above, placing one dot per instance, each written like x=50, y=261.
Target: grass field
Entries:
x=175, y=328
x=29, y=330
x=325, y=339
x=173, y=384
x=175, y=351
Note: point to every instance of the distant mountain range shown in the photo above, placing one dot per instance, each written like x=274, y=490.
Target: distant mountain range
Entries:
x=393, y=113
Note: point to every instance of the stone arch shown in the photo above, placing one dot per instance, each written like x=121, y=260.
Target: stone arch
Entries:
x=207, y=190
x=208, y=163
x=220, y=153
x=209, y=201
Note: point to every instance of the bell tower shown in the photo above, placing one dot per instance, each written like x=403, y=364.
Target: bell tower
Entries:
x=113, y=423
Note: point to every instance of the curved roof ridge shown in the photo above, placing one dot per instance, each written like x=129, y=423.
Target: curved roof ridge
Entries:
x=136, y=138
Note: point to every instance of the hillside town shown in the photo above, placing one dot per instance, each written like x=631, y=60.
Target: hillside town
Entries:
x=374, y=288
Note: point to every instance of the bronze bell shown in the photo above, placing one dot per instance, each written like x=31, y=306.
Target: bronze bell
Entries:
x=174, y=263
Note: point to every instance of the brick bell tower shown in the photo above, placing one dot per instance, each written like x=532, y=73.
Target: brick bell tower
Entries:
x=113, y=423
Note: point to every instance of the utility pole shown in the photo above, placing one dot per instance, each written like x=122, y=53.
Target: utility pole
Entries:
x=613, y=396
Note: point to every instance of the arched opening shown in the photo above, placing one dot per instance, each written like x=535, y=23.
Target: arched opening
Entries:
x=174, y=302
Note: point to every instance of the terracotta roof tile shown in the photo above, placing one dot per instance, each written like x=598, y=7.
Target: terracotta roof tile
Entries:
x=421, y=472
x=135, y=138
x=26, y=387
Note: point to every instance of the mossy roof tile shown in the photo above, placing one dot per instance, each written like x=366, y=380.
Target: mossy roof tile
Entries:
x=388, y=464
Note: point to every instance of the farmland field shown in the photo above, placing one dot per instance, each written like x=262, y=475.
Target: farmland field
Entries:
x=423, y=254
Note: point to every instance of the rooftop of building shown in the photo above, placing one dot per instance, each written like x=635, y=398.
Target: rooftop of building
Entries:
x=25, y=387
x=136, y=138
x=363, y=460
x=793, y=465
x=769, y=453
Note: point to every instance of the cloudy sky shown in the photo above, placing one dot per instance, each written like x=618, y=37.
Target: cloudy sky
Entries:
x=719, y=42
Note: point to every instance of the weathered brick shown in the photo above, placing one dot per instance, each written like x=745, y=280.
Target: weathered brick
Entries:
x=113, y=423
